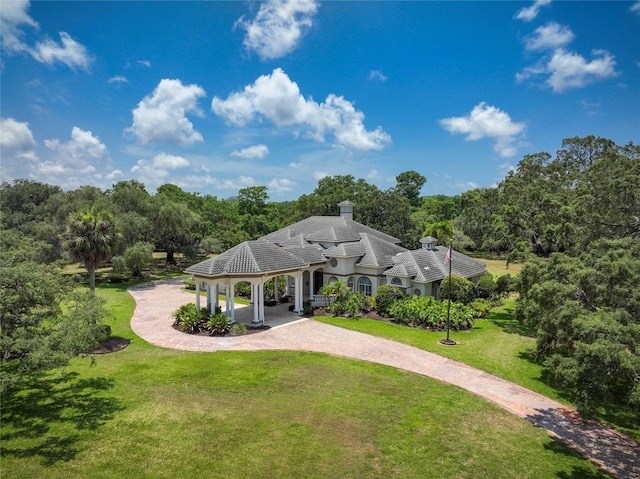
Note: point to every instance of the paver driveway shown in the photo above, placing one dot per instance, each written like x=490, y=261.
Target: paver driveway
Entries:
x=614, y=452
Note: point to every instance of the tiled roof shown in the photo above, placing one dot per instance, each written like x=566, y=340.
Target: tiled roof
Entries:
x=428, y=239
x=311, y=253
x=297, y=240
x=378, y=253
x=427, y=265
x=334, y=234
x=343, y=228
x=250, y=257
x=374, y=252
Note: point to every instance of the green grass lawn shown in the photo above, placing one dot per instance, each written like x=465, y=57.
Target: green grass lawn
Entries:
x=151, y=412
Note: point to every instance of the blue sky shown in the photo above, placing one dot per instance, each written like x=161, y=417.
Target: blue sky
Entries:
x=217, y=96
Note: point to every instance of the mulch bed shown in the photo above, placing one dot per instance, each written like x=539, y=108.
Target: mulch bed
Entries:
x=111, y=345
x=249, y=330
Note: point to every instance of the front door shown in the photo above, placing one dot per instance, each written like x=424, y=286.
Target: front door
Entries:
x=317, y=281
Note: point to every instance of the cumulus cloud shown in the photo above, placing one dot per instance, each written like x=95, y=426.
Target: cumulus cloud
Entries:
x=566, y=69
x=16, y=140
x=161, y=116
x=280, y=185
x=549, y=36
x=81, y=148
x=155, y=171
x=318, y=175
x=278, y=27
x=635, y=8
x=530, y=13
x=14, y=17
x=277, y=99
x=487, y=121
x=251, y=152
x=377, y=75
x=78, y=161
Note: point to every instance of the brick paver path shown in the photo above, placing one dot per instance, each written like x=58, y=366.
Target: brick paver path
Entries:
x=612, y=451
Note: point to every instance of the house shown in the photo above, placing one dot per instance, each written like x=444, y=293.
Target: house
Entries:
x=321, y=249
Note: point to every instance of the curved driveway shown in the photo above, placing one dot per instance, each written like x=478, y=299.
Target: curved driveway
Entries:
x=614, y=452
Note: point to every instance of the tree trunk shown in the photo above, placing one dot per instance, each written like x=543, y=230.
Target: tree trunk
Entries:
x=170, y=258
x=92, y=279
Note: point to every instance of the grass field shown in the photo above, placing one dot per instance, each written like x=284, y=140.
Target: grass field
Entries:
x=151, y=412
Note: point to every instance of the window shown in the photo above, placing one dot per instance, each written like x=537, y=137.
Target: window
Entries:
x=351, y=283
x=395, y=280
x=417, y=292
x=364, y=286
x=332, y=279
x=333, y=262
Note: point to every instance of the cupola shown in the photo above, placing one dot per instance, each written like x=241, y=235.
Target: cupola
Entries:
x=346, y=209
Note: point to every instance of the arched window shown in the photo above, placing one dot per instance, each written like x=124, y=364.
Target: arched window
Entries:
x=364, y=286
x=332, y=279
x=395, y=280
x=351, y=283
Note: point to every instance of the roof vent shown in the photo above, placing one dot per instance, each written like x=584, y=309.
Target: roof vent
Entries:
x=346, y=209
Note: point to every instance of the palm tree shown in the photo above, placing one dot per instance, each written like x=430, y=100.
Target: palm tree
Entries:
x=91, y=237
x=335, y=290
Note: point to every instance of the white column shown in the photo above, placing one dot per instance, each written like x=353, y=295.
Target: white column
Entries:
x=256, y=303
x=299, y=292
x=261, y=296
x=232, y=303
x=227, y=301
x=197, y=296
x=276, y=296
x=311, y=283
x=287, y=289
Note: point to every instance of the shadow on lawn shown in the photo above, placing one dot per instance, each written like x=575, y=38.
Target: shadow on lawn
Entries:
x=36, y=417
x=505, y=319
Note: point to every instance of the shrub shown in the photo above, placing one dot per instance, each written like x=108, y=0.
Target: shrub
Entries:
x=190, y=284
x=188, y=319
x=238, y=329
x=219, y=325
x=486, y=287
x=505, y=284
x=481, y=307
x=387, y=295
x=462, y=289
x=430, y=313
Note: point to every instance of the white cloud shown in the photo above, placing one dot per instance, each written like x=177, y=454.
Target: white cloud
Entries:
x=118, y=79
x=276, y=98
x=530, y=13
x=280, y=185
x=256, y=151
x=278, y=27
x=69, y=52
x=73, y=163
x=161, y=117
x=570, y=70
x=16, y=139
x=464, y=185
x=14, y=16
x=145, y=63
x=377, y=75
x=217, y=183
x=318, y=175
x=635, y=8
x=487, y=121
x=156, y=171
x=549, y=36
x=79, y=150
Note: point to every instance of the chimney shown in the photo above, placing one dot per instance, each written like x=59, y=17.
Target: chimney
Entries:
x=346, y=209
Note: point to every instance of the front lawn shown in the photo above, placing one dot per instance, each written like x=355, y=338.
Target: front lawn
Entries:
x=152, y=412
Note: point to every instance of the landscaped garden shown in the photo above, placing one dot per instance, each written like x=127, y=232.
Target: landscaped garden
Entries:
x=151, y=412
